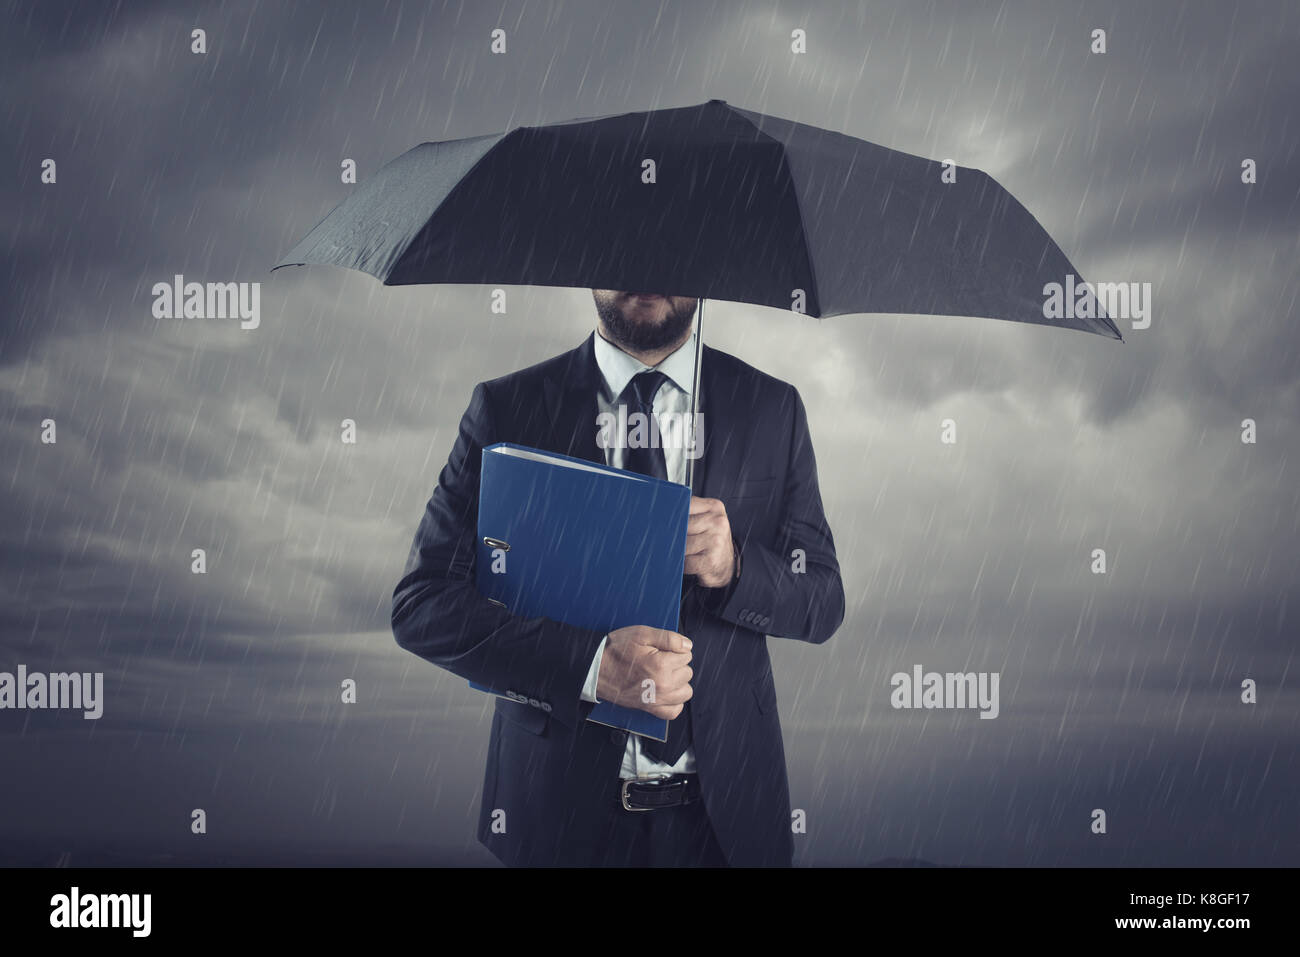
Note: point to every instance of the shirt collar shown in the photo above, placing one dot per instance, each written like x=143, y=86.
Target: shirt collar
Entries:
x=618, y=368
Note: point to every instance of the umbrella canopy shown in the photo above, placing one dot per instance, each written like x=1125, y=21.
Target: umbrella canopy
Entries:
x=709, y=201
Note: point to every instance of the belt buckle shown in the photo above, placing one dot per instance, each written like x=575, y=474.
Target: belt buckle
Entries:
x=628, y=782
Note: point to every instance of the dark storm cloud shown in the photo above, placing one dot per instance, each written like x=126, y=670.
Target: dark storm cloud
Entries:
x=179, y=434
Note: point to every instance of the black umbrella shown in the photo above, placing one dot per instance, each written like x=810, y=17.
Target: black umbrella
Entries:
x=709, y=201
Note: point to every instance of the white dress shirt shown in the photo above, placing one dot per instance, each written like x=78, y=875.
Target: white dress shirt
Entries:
x=674, y=396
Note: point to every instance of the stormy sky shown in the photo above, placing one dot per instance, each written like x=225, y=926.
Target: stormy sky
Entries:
x=1119, y=691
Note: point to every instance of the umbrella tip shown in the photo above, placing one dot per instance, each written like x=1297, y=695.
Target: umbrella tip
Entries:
x=723, y=102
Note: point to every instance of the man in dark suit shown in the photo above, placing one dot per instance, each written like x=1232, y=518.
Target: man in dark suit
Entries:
x=760, y=561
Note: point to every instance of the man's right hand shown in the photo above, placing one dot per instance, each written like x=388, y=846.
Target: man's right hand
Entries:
x=639, y=654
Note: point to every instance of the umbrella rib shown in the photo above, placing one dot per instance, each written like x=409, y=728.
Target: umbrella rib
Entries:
x=414, y=241
x=794, y=190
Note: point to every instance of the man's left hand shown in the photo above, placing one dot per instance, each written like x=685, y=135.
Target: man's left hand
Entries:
x=710, y=554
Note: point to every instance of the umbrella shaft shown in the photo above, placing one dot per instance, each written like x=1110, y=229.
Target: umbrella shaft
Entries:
x=691, y=435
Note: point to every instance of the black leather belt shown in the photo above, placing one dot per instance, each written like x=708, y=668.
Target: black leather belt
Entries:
x=650, y=795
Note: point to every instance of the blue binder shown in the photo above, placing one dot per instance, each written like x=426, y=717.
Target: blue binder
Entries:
x=585, y=544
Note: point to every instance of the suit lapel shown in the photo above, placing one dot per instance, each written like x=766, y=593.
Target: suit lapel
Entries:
x=708, y=387
x=571, y=405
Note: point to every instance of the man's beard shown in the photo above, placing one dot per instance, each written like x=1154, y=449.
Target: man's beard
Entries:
x=645, y=336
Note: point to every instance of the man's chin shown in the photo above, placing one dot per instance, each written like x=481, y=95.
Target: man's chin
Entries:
x=646, y=325
x=640, y=338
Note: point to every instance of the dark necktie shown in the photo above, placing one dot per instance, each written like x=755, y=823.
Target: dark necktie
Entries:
x=639, y=396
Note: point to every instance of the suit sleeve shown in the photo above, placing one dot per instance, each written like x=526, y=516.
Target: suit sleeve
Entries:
x=779, y=593
x=439, y=614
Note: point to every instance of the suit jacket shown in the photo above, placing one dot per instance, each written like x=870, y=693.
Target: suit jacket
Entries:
x=552, y=772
